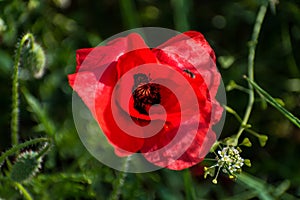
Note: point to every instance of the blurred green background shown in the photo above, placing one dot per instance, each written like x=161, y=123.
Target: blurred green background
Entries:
x=62, y=26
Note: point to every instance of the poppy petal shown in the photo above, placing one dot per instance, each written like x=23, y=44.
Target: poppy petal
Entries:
x=190, y=50
x=96, y=96
x=94, y=82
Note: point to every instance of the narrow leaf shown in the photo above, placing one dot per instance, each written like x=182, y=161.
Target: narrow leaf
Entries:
x=255, y=184
x=40, y=113
x=275, y=103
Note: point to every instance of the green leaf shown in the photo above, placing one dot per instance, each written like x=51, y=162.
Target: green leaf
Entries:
x=40, y=113
x=275, y=103
x=264, y=190
x=189, y=185
x=256, y=185
x=282, y=188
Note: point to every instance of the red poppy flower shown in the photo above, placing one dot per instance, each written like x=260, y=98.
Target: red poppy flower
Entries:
x=159, y=102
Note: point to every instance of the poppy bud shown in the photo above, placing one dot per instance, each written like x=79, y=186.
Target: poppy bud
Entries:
x=33, y=58
x=26, y=166
x=3, y=26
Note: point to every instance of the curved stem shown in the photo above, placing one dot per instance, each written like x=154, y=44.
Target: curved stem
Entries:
x=18, y=147
x=18, y=186
x=15, y=89
x=23, y=191
x=120, y=180
x=252, y=47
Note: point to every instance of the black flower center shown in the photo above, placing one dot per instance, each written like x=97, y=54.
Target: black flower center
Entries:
x=144, y=93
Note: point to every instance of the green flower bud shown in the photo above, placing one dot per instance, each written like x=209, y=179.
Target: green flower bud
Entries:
x=209, y=171
x=26, y=166
x=39, y=62
x=215, y=181
x=3, y=27
x=231, y=141
x=247, y=162
x=33, y=59
x=231, y=85
x=226, y=61
x=262, y=140
x=246, y=142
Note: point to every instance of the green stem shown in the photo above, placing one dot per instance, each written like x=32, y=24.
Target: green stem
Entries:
x=23, y=191
x=18, y=186
x=188, y=185
x=18, y=147
x=241, y=88
x=129, y=14
x=234, y=113
x=15, y=89
x=120, y=180
x=253, y=133
x=181, y=12
x=252, y=47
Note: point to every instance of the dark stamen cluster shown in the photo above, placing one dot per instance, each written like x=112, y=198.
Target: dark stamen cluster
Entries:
x=144, y=93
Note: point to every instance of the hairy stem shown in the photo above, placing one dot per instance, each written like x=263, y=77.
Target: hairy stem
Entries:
x=15, y=89
x=120, y=180
x=252, y=47
x=18, y=147
x=23, y=191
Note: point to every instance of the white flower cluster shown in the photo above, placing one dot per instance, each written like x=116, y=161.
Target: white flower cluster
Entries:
x=230, y=159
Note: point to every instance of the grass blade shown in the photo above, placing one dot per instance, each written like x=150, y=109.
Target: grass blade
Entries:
x=40, y=113
x=274, y=103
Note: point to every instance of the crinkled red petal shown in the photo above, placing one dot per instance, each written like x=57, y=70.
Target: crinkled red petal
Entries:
x=188, y=51
x=94, y=82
